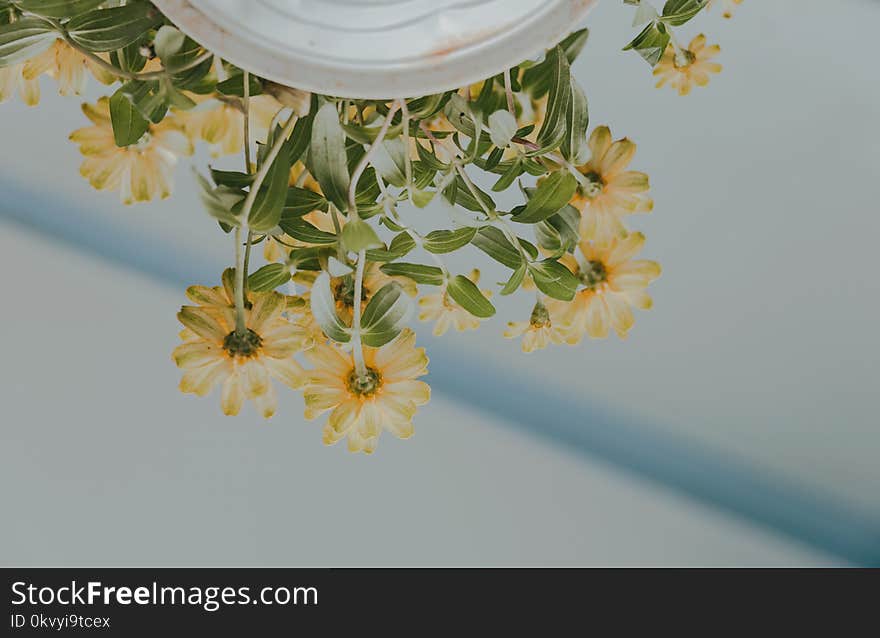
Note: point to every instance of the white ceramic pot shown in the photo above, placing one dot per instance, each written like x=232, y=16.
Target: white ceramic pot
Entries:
x=376, y=48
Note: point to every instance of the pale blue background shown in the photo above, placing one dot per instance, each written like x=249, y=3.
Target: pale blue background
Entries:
x=737, y=425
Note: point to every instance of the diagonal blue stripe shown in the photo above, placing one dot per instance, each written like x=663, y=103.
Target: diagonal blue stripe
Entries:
x=698, y=471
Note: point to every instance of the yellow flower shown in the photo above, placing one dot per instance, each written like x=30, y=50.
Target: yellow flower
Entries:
x=540, y=330
x=213, y=353
x=613, y=282
x=142, y=171
x=12, y=80
x=311, y=330
x=220, y=123
x=612, y=191
x=443, y=309
x=386, y=398
x=68, y=66
x=688, y=67
x=727, y=6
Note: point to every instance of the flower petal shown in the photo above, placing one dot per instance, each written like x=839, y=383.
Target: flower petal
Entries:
x=232, y=397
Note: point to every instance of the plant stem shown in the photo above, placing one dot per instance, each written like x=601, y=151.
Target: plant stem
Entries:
x=365, y=160
x=240, y=267
x=509, y=91
x=246, y=106
x=360, y=365
x=407, y=158
x=240, y=322
x=358, y=346
x=492, y=215
x=416, y=236
x=128, y=75
x=337, y=227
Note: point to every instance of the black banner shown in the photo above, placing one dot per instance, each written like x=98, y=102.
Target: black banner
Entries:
x=151, y=602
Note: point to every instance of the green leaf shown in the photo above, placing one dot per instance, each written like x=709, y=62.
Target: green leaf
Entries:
x=358, y=235
x=269, y=278
x=552, y=194
x=301, y=201
x=328, y=157
x=389, y=160
x=537, y=80
x=129, y=58
x=430, y=159
x=310, y=257
x=577, y=123
x=58, y=8
x=509, y=176
x=468, y=296
x=561, y=231
x=420, y=198
x=219, y=202
x=677, y=12
x=369, y=134
x=104, y=30
x=266, y=212
x=234, y=86
x=385, y=315
x=650, y=43
x=459, y=193
x=233, y=179
x=323, y=307
x=515, y=280
x=553, y=131
x=400, y=246
x=574, y=44
x=23, y=39
x=447, y=241
x=554, y=279
x=148, y=98
x=129, y=125
x=494, y=243
x=198, y=79
x=426, y=107
x=460, y=114
x=421, y=274
x=175, y=98
x=168, y=42
x=301, y=138
x=302, y=230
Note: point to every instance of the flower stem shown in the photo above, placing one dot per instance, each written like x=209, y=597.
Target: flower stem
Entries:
x=365, y=160
x=240, y=265
x=240, y=324
x=360, y=365
x=407, y=162
x=246, y=107
x=509, y=92
x=358, y=347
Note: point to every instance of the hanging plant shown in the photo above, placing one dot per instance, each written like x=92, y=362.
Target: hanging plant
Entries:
x=329, y=187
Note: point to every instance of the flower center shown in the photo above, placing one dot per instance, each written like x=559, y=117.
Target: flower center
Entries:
x=344, y=292
x=365, y=386
x=683, y=59
x=594, y=275
x=595, y=184
x=246, y=345
x=540, y=316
